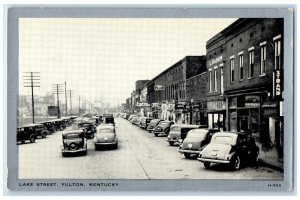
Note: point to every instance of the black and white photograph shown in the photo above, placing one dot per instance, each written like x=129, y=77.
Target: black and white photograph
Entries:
x=101, y=100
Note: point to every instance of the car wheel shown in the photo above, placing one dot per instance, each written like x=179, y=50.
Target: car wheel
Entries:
x=23, y=142
x=63, y=154
x=171, y=143
x=187, y=155
x=206, y=165
x=32, y=139
x=236, y=162
x=44, y=135
x=156, y=134
x=116, y=146
x=96, y=147
x=84, y=153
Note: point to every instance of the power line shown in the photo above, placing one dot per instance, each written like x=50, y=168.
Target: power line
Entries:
x=32, y=82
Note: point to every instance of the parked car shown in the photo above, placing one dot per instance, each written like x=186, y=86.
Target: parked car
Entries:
x=195, y=141
x=131, y=117
x=162, y=128
x=139, y=122
x=145, y=122
x=26, y=133
x=230, y=148
x=89, y=129
x=58, y=124
x=133, y=120
x=179, y=131
x=106, y=136
x=108, y=119
x=49, y=126
x=153, y=123
x=73, y=142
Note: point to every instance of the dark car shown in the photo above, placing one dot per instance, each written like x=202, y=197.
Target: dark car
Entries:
x=49, y=126
x=59, y=124
x=74, y=142
x=163, y=128
x=89, y=129
x=230, y=148
x=153, y=123
x=108, y=119
x=31, y=132
x=145, y=122
x=179, y=131
x=195, y=141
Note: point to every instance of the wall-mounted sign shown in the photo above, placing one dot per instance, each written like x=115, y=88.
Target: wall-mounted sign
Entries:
x=159, y=87
x=215, y=60
x=277, y=82
x=215, y=105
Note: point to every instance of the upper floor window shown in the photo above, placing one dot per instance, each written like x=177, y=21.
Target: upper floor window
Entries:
x=221, y=79
x=232, y=70
x=241, y=64
x=263, y=61
x=277, y=53
x=251, y=63
x=210, y=80
x=216, y=80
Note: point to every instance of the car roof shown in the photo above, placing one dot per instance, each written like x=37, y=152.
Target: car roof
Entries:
x=186, y=125
x=72, y=132
x=29, y=125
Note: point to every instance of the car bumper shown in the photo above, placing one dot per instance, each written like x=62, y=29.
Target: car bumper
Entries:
x=213, y=160
x=155, y=132
x=105, y=143
x=188, y=151
x=73, y=151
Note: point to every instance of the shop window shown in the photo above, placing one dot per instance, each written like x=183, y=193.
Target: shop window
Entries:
x=210, y=79
x=221, y=80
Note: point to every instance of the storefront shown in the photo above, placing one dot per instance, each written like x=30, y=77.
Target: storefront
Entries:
x=216, y=114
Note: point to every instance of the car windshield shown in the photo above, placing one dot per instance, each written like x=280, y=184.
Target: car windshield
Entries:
x=105, y=130
x=72, y=136
x=197, y=134
x=224, y=140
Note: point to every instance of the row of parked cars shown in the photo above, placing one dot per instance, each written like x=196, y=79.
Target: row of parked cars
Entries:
x=30, y=132
x=99, y=128
x=207, y=145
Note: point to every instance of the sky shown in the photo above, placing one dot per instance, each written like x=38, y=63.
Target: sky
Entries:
x=103, y=58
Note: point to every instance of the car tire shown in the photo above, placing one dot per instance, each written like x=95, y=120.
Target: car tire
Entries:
x=156, y=134
x=96, y=147
x=171, y=143
x=44, y=135
x=187, y=155
x=116, y=146
x=236, y=163
x=32, y=139
x=23, y=142
x=206, y=165
x=84, y=153
x=63, y=154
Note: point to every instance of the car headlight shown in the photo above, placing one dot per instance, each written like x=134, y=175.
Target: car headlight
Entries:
x=169, y=136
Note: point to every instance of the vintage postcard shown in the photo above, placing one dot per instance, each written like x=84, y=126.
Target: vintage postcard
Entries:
x=150, y=99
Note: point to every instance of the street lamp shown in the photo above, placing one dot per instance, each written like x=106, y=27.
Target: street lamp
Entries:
x=191, y=111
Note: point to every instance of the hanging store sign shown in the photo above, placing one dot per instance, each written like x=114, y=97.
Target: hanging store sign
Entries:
x=277, y=83
x=252, y=101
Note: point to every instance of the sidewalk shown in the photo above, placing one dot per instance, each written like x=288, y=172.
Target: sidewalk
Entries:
x=276, y=165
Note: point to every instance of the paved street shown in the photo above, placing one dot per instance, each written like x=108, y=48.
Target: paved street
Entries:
x=140, y=156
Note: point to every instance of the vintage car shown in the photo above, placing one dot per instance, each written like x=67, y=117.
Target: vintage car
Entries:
x=131, y=117
x=26, y=132
x=163, y=128
x=139, y=124
x=145, y=122
x=108, y=119
x=179, y=131
x=153, y=123
x=94, y=120
x=49, y=126
x=195, y=141
x=134, y=119
x=74, y=142
x=137, y=121
x=88, y=128
x=106, y=136
x=230, y=148
x=59, y=124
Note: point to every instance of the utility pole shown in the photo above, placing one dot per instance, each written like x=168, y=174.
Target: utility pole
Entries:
x=79, y=106
x=32, y=82
x=66, y=98
x=70, y=92
x=57, y=89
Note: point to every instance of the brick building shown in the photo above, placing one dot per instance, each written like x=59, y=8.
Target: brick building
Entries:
x=172, y=88
x=246, y=64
